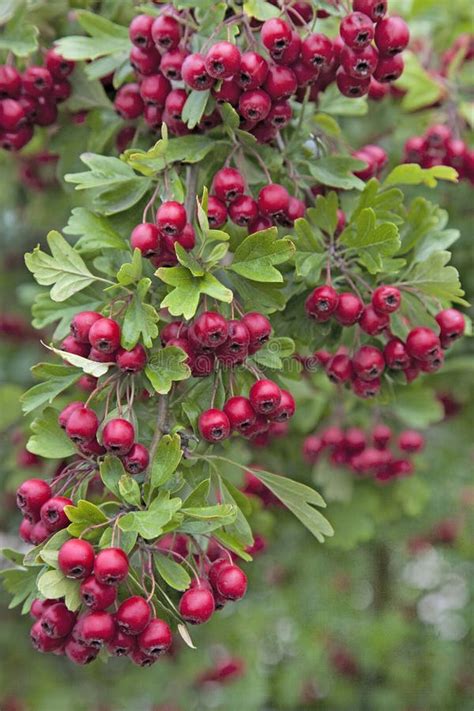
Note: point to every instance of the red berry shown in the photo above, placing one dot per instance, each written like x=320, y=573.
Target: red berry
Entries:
x=243, y=210
x=389, y=68
x=339, y=369
x=322, y=303
x=375, y=9
x=39, y=607
x=97, y=596
x=382, y=434
x=118, y=436
x=210, y=329
x=214, y=425
x=349, y=309
x=41, y=641
x=128, y=102
x=423, y=344
x=197, y=605
x=139, y=31
x=350, y=86
x=187, y=238
x=12, y=114
x=231, y=582
x=133, y=615
x=238, y=339
x=121, y=644
x=240, y=412
x=365, y=388
x=194, y=73
x=70, y=345
x=76, y=558
x=265, y=396
x=222, y=60
x=228, y=184
x=452, y=324
x=280, y=83
x=259, y=328
x=312, y=447
x=359, y=63
x=166, y=32
x=354, y=440
x=154, y=90
x=10, y=82
x=172, y=62
x=171, y=218
x=156, y=639
x=411, y=441
x=131, y=361
x=255, y=105
x=368, y=363
x=357, y=30
x=317, y=50
x=146, y=238
x=377, y=91
x=260, y=224
x=286, y=408
x=16, y=140
x=37, y=81
x=275, y=35
x=228, y=93
x=111, y=566
x=280, y=116
x=175, y=102
x=253, y=71
x=217, y=566
x=216, y=212
x=30, y=497
x=24, y=530
x=145, y=61
x=373, y=323
x=79, y=653
x=81, y=325
x=273, y=200
x=57, y=621
x=392, y=35
x=39, y=533
x=94, y=629
x=53, y=515
x=396, y=355
x=386, y=299
x=82, y=425
x=104, y=335
x=141, y=659
x=137, y=459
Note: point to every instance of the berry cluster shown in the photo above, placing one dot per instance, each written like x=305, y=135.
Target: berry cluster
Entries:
x=156, y=241
x=31, y=98
x=43, y=513
x=223, y=582
x=252, y=416
x=438, y=146
x=423, y=350
x=273, y=205
x=366, y=454
x=375, y=159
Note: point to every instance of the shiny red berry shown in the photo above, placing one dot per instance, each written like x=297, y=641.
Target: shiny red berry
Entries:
x=275, y=35
x=317, y=50
x=214, y=425
x=265, y=396
x=197, y=605
x=166, y=32
x=368, y=363
x=349, y=309
x=423, y=344
x=386, y=299
x=118, y=436
x=339, y=369
x=82, y=323
x=253, y=71
x=57, y=621
x=322, y=303
x=133, y=615
x=286, y=408
x=243, y=210
x=396, y=355
x=375, y=9
x=411, y=441
x=79, y=653
x=357, y=30
x=156, y=639
x=231, y=582
x=30, y=497
x=154, y=90
x=97, y=596
x=111, y=566
x=146, y=238
x=94, y=629
x=82, y=425
x=53, y=515
x=139, y=31
x=259, y=328
x=137, y=459
x=452, y=324
x=76, y=558
x=373, y=323
x=359, y=63
x=389, y=68
x=104, y=335
x=228, y=184
x=37, y=81
x=240, y=412
x=352, y=87
x=391, y=35
x=121, y=644
x=280, y=83
x=222, y=60
x=194, y=73
x=132, y=361
x=128, y=102
x=10, y=82
x=365, y=388
x=171, y=218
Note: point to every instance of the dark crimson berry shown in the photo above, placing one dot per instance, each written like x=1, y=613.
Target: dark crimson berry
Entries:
x=53, y=515
x=133, y=615
x=154, y=90
x=128, y=101
x=121, y=644
x=210, y=329
x=10, y=82
x=57, y=621
x=156, y=639
x=280, y=116
x=392, y=35
x=131, y=361
x=146, y=238
x=389, y=68
x=350, y=86
x=273, y=200
x=386, y=299
x=145, y=61
x=291, y=53
x=153, y=116
x=97, y=596
x=333, y=436
x=456, y=151
x=371, y=166
x=94, y=629
x=275, y=35
x=194, y=73
x=104, y=335
x=222, y=60
x=172, y=62
x=396, y=355
x=12, y=114
x=216, y=212
x=37, y=81
x=339, y=369
x=301, y=13
x=30, y=497
x=137, y=459
x=411, y=441
x=228, y=93
x=260, y=224
x=240, y=413
x=438, y=135
x=171, y=218
x=253, y=71
x=357, y=30
x=70, y=345
x=101, y=357
x=166, y=32
x=317, y=50
x=81, y=325
x=423, y=344
x=349, y=309
x=111, y=566
x=231, y=582
x=228, y=184
x=39, y=607
x=175, y=102
x=197, y=605
x=24, y=530
x=359, y=63
x=118, y=436
x=322, y=303
x=16, y=140
x=365, y=388
x=414, y=149
x=296, y=209
x=46, y=112
x=238, y=337
x=76, y=558
x=82, y=425
x=377, y=91
x=452, y=324
x=175, y=329
x=243, y=210
x=214, y=425
x=124, y=138
x=39, y=533
x=41, y=641
x=259, y=328
x=368, y=363
x=377, y=154
x=217, y=566
x=141, y=659
x=265, y=396
x=87, y=383
x=286, y=408
x=79, y=653
x=139, y=31
x=375, y=9
x=255, y=105
x=187, y=238
x=305, y=74
x=280, y=83
x=373, y=323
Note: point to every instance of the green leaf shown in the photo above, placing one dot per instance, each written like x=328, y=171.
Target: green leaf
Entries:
x=418, y=407
x=336, y=171
x=95, y=232
x=21, y=584
x=149, y=524
x=332, y=102
x=165, y=367
x=54, y=585
x=230, y=116
x=106, y=38
x=193, y=109
x=260, y=9
x=300, y=500
x=256, y=256
x=57, y=379
x=414, y=174
x=127, y=540
x=434, y=278
x=372, y=242
x=324, y=214
x=140, y=318
x=48, y=439
x=274, y=351
x=90, y=367
x=269, y=296
x=131, y=272
x=240, y=528
x=166, y=460
x=129, y=490
x=10, y=412
x=188, y=260
x=19, y=35
x=207, y=518
x=46, y=311
x=114, y=185
x=65, y=269
x=111, y=471
x=186, y=149
x=421, y=89
x=87, y=93
x=13, y=556
x=85, y=513
x=172, y=572
x=184, y=298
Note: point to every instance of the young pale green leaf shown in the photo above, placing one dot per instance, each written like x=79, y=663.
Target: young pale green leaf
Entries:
x=435, y=277
x=85, y=513
x=54, y=585
x=111, y=472
x=256, y=256
x=414, y=174
x=48, y=439
x=274, y=352
x=13, y=556
x=95, y=232
x=149, y=524
x=337, y=171
x=420, y=89
x=194, y=107
x=166, y=460
x=64, y=269
x=185, y=149
x=18, y=36
x=140, y=318
x=165, y=367
x=260, y=10
x=184, y=298
x=371, y=241
x=172, y=572
x=90, y=367
x=188, y=260
x=129, y=490
x=57, y=379
x=333, y=103
x=203, y=520
x=324, y=214
x=230, y=117
x=131, y=272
